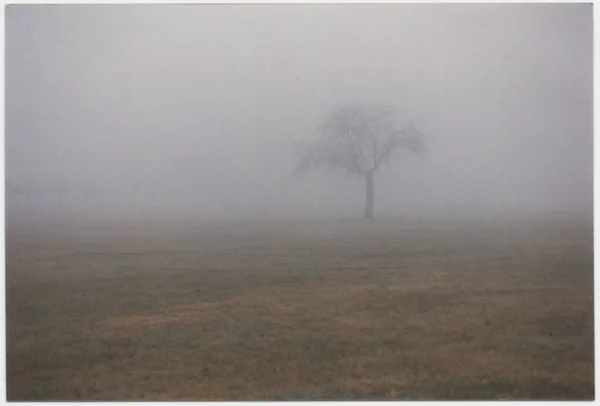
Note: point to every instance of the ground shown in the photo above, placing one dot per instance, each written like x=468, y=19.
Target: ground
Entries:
x=395, y=309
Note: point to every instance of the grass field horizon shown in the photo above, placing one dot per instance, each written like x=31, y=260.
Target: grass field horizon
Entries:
x=107, y=308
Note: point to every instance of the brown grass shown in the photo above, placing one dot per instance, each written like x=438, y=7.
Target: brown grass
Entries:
x=259, y=313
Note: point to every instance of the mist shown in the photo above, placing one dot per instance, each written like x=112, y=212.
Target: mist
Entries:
x=199, y=108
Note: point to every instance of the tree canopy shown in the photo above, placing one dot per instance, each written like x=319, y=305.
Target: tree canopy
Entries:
x=360, y=140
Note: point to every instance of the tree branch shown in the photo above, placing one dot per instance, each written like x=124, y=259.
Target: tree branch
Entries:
x=347, y=135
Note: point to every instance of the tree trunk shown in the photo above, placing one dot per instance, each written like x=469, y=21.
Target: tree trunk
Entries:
x=369, y=203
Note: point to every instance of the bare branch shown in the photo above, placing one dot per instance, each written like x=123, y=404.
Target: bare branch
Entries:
x=353, y=140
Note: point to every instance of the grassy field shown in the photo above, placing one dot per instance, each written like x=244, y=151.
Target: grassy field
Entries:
x=172, y=310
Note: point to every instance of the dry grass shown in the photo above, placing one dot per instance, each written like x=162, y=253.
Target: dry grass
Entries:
x=259, y=312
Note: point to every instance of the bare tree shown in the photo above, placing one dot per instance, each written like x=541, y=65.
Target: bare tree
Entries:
x=360, y=140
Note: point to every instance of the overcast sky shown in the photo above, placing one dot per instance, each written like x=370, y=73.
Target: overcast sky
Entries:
x=202, y=105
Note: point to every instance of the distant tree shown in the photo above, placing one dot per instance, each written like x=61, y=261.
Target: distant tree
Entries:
x=359, y=140
x=14, y=190
x=89, y=189
x=58, y=189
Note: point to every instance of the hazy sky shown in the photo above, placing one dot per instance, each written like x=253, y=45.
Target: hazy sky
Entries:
x=203, y=104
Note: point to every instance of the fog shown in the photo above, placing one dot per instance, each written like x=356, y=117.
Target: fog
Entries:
x=199, y=108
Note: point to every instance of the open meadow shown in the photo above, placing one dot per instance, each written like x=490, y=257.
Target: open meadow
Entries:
x=110, y=309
